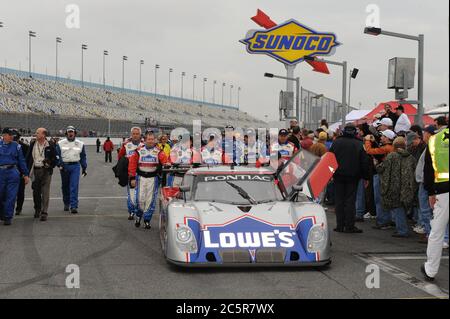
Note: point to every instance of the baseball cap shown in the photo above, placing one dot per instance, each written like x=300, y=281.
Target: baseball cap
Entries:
x=8, y=131
x=386, y=121
x=283, y=132
x=410, y=137
x=70, y=129
x=323, y=136
x=389, y=134
x=430, y=129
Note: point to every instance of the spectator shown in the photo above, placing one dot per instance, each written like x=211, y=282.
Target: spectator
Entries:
x=398, y=186
x=324, y=125
x=295, y=137
x=353, y=165
x=307, y=139
x=98, y=144
x=319, y=149
x=292, y=124
x=164, y=145
x=389, y=114
x=384, y=218
x=441, y=123
x=108, y=147
x=425, y=211
x=403, y=123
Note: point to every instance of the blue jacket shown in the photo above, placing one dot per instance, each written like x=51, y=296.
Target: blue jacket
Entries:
x=11, y=154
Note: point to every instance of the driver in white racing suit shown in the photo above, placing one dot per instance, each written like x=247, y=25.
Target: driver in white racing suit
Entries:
x=127, y=150
x=144, y=170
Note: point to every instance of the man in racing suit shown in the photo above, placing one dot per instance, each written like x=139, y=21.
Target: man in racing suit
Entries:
x=212, y=153
x=144, y=170
x=284, y=148
x=127, y=150
x=181, y=154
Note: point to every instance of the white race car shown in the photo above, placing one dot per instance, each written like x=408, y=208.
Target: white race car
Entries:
x=248, y=216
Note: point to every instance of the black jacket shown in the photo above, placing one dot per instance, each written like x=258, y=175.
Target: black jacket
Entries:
x=121, y=171
x=49, y=154
x=352, y=159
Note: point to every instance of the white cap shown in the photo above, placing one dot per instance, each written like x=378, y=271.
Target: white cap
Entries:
x=389, y=134
x=386, y=121
x=376, y=123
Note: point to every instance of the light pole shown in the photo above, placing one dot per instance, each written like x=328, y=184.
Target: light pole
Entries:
x=297, y=93
x=231, y=94
x=204, y=83
x=353, y=75
x=156, y=78
x=170, y=74
x=2, y=26
x=141, y=63
x=421, y=42
x=344, y=82
x=124, y=58
x=214, y=91
x=183, y=74
x=31, y=34
x=193, y=87
x=315, y=97
x=223, y=88
x=238, y=96
x=83, y=47
x=58, y=40
x=105, y=53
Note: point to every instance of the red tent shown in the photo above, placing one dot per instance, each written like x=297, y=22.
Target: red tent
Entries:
x=410, y=110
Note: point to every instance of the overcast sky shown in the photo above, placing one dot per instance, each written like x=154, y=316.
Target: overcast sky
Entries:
x=202, y=37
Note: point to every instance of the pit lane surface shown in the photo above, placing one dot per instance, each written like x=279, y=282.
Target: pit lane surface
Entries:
x=117, y=260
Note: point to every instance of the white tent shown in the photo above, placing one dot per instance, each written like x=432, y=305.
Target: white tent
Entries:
x=434, y=113
x=353, y=116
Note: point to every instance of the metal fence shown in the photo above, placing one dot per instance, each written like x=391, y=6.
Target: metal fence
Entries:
x=314, y=107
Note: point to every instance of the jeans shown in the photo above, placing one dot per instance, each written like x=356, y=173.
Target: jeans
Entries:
x=360, y=200
x=425, y=211
x=383, y=217
x=401, y=223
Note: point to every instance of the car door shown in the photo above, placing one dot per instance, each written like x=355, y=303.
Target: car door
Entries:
x=308, y=171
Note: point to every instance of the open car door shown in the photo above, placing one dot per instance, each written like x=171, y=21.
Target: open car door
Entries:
x=308, y=171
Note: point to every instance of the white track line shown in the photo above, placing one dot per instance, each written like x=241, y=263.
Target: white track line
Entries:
x=398, y=273
x=410, y=258
x=87, y=197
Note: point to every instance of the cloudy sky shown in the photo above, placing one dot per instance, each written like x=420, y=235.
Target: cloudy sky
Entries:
x=202, y=37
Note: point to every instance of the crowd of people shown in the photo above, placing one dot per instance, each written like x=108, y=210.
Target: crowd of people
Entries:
x=389, y=171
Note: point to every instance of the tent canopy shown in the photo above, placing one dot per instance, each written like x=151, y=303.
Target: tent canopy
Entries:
x=410, y=110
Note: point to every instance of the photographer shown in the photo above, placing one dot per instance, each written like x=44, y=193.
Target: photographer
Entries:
x=41, y=159
x=384, y=218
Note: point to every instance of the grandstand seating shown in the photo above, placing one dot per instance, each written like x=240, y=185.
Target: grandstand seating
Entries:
x=58, y=98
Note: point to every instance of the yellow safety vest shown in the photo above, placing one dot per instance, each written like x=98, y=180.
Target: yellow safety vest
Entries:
x=438, y=146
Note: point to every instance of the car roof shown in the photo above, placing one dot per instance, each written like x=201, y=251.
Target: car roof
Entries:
x=229, y=170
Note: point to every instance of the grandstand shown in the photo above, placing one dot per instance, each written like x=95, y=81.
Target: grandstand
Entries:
x=38, y=101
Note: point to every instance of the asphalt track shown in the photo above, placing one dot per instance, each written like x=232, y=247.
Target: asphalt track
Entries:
x=116, y=260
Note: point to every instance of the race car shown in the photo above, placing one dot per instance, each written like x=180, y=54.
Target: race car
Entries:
x=225, y=216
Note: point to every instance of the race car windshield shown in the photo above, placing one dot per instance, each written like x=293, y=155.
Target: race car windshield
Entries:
x=237, y=189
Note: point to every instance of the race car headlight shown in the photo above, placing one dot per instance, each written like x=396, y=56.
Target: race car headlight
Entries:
x=317, y=239
x=186, y=241
x=184, y=234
